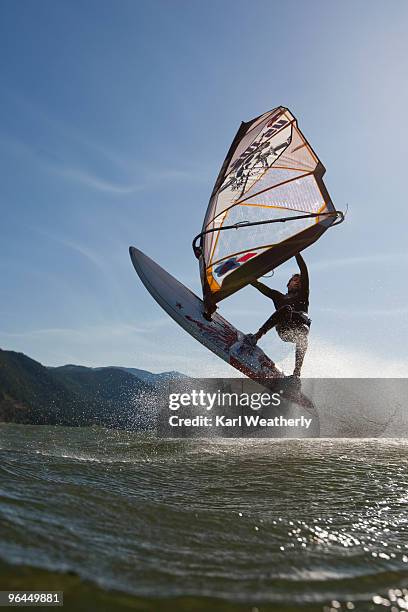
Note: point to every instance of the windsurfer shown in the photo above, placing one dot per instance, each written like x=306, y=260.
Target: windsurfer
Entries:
x=290, y=317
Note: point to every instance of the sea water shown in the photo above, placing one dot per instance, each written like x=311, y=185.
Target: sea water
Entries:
x=121, y=520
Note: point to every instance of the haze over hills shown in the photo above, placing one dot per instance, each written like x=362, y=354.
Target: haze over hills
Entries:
x=151, y=377
x=145, y=375
x=76, y=395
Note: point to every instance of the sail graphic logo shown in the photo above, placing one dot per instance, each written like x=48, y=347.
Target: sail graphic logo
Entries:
x=232, y=263
x=257, y=157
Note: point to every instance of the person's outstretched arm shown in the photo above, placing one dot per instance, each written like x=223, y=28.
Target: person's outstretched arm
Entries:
x=304, y=275
x=272, y=294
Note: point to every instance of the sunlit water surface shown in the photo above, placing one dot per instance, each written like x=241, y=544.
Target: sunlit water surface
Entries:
x=131, y=521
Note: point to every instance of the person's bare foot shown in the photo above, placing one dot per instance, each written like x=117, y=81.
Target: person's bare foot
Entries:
x=251, y=339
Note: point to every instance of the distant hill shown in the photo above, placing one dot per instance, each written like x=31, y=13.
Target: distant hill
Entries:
x=30, y=394
x=151, y=377
x=76, y=395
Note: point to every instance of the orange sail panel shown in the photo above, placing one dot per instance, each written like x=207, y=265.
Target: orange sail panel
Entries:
x=270, y=172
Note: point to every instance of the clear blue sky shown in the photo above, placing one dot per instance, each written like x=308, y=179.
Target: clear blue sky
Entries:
x=115, y=119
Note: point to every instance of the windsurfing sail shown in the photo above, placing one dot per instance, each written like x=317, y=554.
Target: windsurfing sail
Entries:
x=269, y=202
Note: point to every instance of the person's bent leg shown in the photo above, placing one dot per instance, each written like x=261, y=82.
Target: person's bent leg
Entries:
x=280, y=316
